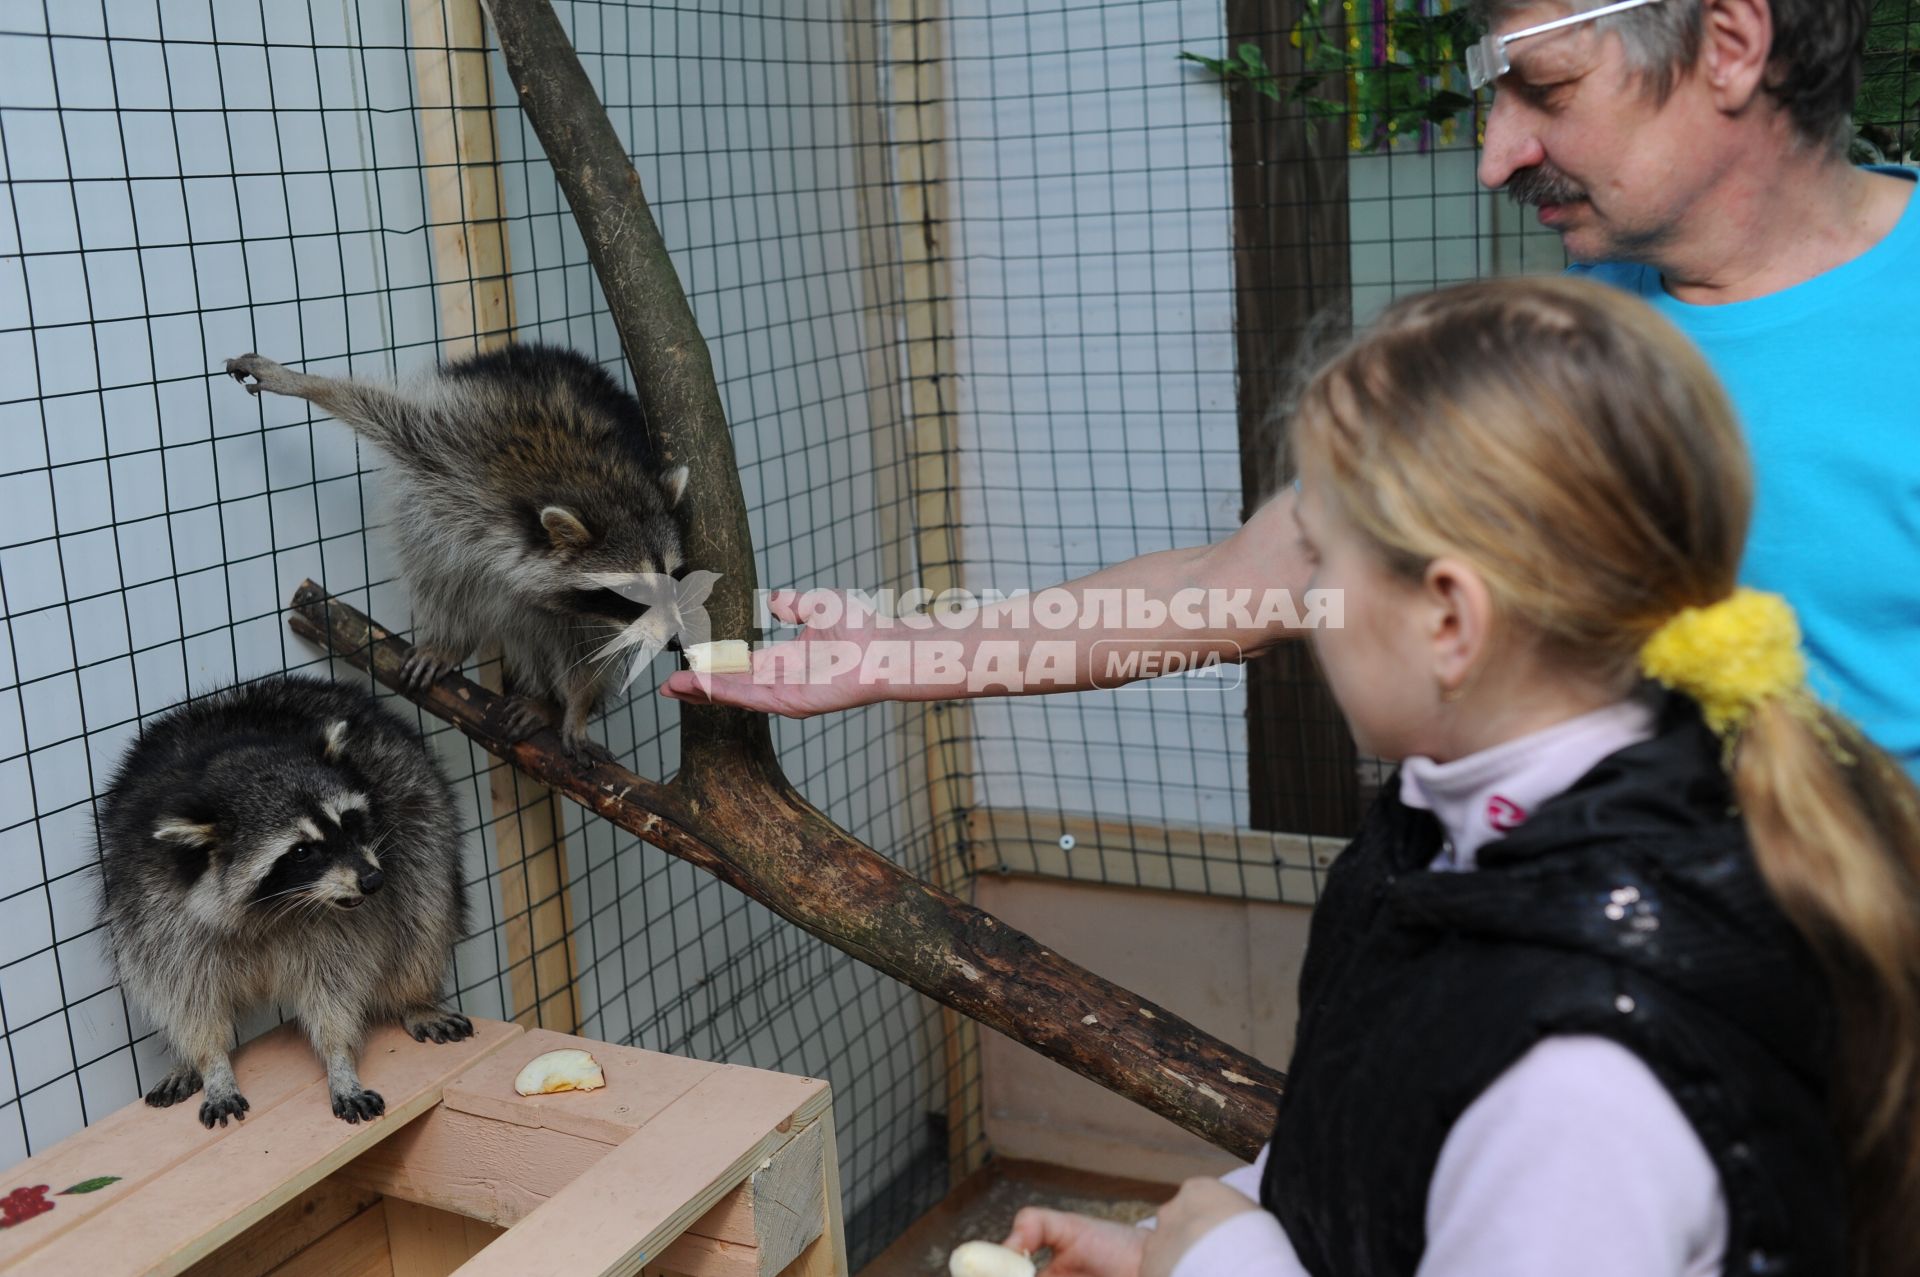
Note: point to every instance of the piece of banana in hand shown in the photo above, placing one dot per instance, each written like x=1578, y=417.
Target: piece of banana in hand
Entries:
x=722, y=656
x=985, y=1259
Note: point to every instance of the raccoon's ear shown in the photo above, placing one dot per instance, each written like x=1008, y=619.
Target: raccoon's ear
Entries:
x=675, y=483
x=565, y=531
x=333, y=741
x=184, y=832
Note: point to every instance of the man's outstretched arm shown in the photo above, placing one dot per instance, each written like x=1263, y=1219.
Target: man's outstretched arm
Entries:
x=1228, y=601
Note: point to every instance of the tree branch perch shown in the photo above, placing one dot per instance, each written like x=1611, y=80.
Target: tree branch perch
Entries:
x=761, y=837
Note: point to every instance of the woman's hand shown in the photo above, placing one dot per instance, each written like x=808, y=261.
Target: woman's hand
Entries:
x=1196, y=1210
x=818, y=671
x=1082, y=1247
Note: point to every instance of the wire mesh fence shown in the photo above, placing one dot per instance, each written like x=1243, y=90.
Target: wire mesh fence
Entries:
x=1131, y=250
x=187, y=181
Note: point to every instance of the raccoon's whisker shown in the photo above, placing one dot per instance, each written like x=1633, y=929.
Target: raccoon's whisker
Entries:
x=607, y=659
x=285, y=909
x=603, y=656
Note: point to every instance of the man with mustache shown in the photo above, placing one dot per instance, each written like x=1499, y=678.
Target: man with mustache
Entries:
x=1694, y=152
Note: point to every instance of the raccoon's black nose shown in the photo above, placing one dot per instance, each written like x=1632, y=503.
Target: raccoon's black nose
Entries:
x=370, y=881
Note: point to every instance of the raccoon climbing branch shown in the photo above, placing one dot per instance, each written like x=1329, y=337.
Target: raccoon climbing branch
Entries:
x=672, y=369
x=751, y=829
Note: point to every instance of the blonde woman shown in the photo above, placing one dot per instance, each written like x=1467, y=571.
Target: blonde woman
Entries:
x=1621, y=976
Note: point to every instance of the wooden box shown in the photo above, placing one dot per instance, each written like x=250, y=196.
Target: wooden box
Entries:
x=677, y=1167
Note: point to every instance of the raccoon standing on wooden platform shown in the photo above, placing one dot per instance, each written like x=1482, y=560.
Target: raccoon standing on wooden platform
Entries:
x=292, y=842
x=521, y=478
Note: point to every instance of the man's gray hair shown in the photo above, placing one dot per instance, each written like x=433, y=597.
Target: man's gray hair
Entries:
x=1818, y=48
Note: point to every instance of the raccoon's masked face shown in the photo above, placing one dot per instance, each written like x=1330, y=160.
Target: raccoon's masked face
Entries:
x=584, y=545
x=277, y=832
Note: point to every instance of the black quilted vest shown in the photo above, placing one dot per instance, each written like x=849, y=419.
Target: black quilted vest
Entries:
x=1628, y=907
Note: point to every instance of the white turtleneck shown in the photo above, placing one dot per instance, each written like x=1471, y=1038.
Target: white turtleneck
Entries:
x=1576, y=1161
x=1486, y=795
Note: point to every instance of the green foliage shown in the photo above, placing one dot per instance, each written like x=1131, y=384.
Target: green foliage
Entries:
x=1420, y=83
x=1248, y=66
x=1888, y=111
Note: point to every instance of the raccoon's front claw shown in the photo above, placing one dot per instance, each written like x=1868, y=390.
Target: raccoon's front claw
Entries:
x=181, y=1084
x=525, y=716
x=439, y=1026
x=260, y=368
x=357, y=1106
x=217, y=1111
x=425, y=666
x=578, y=745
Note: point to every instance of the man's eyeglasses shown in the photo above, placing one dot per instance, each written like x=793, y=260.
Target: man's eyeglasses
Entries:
x=1487, y=57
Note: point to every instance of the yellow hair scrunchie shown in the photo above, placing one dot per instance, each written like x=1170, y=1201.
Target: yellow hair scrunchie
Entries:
x=1730, y=657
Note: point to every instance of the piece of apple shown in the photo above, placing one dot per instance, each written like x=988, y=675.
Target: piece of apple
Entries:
x=986, y=1259
x=567, y=1070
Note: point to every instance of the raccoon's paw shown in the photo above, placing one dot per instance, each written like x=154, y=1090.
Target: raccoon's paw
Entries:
x=433, y=1024
x=181, y=1084
x=216, y=1111
x=266, y=374
x=426, y=664
x=579, y=746
x=358, y=1106
x=524, y=716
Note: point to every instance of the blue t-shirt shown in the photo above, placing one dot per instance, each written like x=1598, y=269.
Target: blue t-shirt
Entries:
x=1824, y=377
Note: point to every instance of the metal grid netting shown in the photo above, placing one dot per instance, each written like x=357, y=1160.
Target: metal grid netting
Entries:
x=186, y=181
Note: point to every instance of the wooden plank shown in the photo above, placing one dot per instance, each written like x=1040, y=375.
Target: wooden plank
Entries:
x=474, y=291
x=621, y=1215
x=936, y=754
x=1291, y=264
x=140, y=1144
x=487, y=1170
x=690, y=1256
x=289, y=1230
x=827, y=1255
x=205, y=1200
x=460, y=156
x=795, y=1211
x=945, y=728
x=357, y=1248
x=768, y=1220
x=922, y=804
x=425, y=1242
x=1250, y=864
x=640, y=1085
x=498, y=1172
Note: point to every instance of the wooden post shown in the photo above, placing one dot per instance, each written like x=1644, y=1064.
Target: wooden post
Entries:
x=460, y=153
x=1291, y=266
x=948, y=1037
x=944, y=729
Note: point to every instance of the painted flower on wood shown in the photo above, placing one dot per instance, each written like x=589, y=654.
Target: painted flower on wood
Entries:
x=22, y=1204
